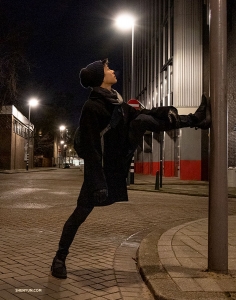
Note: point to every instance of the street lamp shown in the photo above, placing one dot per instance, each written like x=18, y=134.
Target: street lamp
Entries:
x=62, y=129
x=64, y=153
x=32, y=103
x=125, y=22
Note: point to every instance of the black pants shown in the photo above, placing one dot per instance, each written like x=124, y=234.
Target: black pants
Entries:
x=140, y=125
x=148, y=122
x=71, y=226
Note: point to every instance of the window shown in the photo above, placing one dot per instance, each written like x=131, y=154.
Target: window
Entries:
x=20, y=129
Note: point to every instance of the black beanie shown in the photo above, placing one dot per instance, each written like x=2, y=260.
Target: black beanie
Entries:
x=92, y=75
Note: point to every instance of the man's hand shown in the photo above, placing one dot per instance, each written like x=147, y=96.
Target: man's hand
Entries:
x=100, y=196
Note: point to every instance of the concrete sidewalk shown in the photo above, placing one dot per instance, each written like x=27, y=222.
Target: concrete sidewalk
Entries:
x=174, y=185
x=174, y=266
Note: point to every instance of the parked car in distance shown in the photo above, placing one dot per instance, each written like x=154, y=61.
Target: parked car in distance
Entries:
x=66, y=166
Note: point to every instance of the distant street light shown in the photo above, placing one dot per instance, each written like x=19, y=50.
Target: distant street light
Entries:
x=32, y=103
x=64, y=153
x=62, y=128
x=125, y=22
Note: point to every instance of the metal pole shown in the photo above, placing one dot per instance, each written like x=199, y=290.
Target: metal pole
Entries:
x=28, y=139
x=60, y=151
x=132, y=64
x=131, y=174
x=157, y=181
x=218, y=187
x=161, y=157
x=131, y=171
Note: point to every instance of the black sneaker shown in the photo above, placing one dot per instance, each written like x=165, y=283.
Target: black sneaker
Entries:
x=202, y=116
x=58, y=268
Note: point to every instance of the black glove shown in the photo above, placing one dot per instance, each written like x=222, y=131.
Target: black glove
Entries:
x=173, y=117
x=169, y=114
x=100, y=195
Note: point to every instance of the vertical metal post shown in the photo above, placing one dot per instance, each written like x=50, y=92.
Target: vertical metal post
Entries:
x=161, y=157
x=132, y=64
x=218, y=187
x=157, y=181
x=132, y=171
x=28, y=140
x=131, y=174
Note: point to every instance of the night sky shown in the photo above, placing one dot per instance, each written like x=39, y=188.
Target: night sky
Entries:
x=66, y=35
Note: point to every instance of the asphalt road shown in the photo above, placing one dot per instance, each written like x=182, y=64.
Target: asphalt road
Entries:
x=102, y=261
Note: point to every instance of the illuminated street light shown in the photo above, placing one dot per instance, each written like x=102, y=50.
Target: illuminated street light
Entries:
x=125, y=22
x=62, y=128
x=32, y=103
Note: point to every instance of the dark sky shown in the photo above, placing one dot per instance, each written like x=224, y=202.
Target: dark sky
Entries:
x=66, y=35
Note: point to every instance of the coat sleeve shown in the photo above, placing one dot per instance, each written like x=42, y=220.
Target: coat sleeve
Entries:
x=91, y=147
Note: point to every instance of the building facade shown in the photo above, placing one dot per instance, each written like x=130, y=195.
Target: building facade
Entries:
x=15, y=134
x=171, y=67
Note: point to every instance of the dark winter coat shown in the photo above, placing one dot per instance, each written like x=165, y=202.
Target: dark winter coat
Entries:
x=105, y=169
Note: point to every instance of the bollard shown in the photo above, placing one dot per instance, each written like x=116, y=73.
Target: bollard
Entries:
x=157, y=181
x=132, y=171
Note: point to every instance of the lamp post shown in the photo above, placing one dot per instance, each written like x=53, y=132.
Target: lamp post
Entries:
x=62, y=129
x=32, y=103
x=125, y=22
x=69, y=155
x=61, y=153
x=65, y=149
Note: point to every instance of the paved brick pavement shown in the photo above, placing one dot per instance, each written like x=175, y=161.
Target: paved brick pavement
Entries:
x=102, y=263
x=180, y=263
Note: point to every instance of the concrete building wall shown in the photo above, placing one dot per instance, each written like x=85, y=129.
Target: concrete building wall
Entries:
x=172, y=68
x=147, y=153
x=155, y=153
x=14, y=137
x=187, y=59
x=18, y=145
x=169, y=156
x=138, y=166
x=190, y=162
x=5, y=144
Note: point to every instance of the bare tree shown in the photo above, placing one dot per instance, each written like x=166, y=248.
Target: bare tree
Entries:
x=13, y=62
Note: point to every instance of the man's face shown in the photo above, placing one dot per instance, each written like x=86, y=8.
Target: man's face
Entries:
x=109, y=76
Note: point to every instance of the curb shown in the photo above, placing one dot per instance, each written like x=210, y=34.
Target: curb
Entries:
x=178, y=192
x=24, y=171
x=146, y=254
